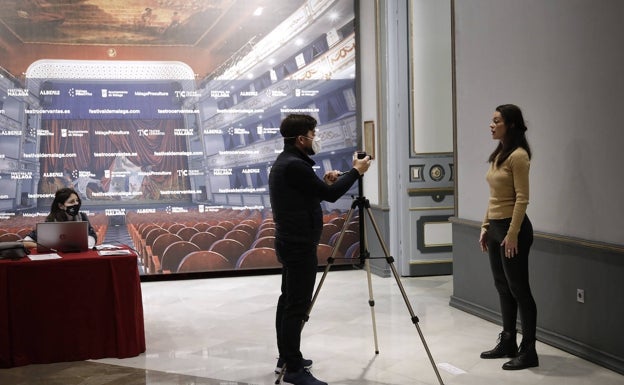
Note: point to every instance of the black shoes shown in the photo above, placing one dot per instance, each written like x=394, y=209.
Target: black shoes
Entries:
x=506, y=347
x=302, y=377
x=527, y=357
x=307, y=364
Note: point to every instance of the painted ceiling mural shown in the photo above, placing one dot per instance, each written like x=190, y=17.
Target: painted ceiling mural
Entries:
x=185, y=22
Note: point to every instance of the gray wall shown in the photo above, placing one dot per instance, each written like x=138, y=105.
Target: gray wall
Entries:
x=561, y=61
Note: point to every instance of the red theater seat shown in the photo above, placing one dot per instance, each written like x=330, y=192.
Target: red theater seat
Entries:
x=203, y=240
x=229, y=248
x=174, y=254
x=204, y=260
x=268, y=241
x=242, y=236
x=258, y=258
x=187, y=232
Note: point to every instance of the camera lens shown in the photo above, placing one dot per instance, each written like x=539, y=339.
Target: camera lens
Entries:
x=361, y=154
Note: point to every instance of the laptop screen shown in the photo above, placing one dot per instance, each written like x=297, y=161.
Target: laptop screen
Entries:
x=62, y=236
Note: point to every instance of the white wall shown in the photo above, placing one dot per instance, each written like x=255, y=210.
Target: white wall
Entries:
x=561, y=61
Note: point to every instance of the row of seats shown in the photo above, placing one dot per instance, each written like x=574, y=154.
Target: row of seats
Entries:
x=233, y=240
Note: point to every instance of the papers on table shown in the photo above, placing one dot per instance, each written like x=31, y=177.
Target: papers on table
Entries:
x=105, y=246
x=115, y=252
x=43, y=257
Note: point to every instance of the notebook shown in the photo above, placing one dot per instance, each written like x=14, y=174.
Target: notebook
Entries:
x=62, y=236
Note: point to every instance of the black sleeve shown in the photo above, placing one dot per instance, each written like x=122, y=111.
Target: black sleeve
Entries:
x=305, y=179
x=91, y=229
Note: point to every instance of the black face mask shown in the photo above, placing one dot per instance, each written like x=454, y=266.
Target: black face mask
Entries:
x=73, y=210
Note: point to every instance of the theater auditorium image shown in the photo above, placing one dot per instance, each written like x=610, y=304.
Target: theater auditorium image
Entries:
x=165, y=119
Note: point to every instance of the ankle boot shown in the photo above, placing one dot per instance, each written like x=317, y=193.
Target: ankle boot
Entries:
x=506, y=346
x=527, y=357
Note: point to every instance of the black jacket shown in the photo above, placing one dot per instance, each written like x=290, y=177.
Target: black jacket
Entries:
x=296, y=194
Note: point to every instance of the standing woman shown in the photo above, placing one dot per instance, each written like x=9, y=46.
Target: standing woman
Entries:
x=507, y=235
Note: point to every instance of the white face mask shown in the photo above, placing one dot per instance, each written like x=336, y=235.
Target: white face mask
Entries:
x=316, y=145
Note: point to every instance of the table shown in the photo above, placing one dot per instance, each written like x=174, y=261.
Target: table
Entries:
x=82, y=306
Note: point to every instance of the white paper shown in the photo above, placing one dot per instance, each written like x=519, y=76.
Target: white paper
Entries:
x=114, y=252
x=43, y=257
x=107, y=247
x=450, y=368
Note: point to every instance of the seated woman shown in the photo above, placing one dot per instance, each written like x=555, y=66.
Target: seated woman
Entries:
x=65, y=207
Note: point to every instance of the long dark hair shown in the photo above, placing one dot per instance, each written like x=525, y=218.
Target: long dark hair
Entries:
x=62, y=195
x=514, y=136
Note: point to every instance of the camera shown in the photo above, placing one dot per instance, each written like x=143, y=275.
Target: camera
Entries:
x=361, y=154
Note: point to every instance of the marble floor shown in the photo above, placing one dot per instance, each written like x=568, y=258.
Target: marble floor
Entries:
x=219, y=331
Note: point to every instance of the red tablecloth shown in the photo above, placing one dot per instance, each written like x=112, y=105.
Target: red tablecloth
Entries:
x=80, y=307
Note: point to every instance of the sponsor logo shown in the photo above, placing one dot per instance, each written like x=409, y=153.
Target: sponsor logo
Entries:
x=219, y=94
x=53, y=175
x=82, y=174
x=151, y=132
x=20, y=92
x=187, y=94
x=146, y=211
x=275, y=93
x=115, y=212
x=11, y=133
x=78, y=92
x=183, y=132
x=116, y=174
x=50, y=93
x=248, y=93
x=173, y=210
x=251, y=171
x=268, y=130
x=151, y=93
x=213, y=132
x=190, y=173
x=299, y=92
x=41, y=132
x=222, y=171
x=237, y=131
x=106, y=93
x=69, y=133
x=17, y=175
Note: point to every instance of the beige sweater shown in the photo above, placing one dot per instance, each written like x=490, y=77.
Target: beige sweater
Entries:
x=509, y=191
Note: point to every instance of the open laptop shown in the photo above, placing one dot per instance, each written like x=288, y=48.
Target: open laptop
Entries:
x=62, y=236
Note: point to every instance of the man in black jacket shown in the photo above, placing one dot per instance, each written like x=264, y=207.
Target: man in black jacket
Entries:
x=296, y=194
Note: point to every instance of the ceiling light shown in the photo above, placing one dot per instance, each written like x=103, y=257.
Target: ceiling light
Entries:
x=258, y=11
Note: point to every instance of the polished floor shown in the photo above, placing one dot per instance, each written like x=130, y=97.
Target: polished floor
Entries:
x=219, y=331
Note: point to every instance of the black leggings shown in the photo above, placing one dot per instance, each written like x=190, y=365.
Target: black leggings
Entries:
x=511, y=277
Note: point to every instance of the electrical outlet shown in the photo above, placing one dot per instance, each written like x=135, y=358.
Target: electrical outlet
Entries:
x=580, y=295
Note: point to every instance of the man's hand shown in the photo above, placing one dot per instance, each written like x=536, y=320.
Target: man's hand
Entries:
x=331, y=176
x=361, y=165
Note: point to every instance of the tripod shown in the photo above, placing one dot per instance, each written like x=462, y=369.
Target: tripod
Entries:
x=363, y=206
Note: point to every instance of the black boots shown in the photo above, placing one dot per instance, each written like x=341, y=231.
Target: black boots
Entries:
x=527, y=357
x=506, y=347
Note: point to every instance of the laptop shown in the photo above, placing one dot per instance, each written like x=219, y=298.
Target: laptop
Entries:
x=62, y=236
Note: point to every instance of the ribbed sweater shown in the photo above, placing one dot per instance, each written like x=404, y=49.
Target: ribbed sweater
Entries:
x=509, y=191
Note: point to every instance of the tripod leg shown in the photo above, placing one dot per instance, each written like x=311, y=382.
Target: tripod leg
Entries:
x=414, y=318
x=371, y=303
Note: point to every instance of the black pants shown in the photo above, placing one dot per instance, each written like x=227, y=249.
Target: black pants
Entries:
x=298, y=277
x=511, y=277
